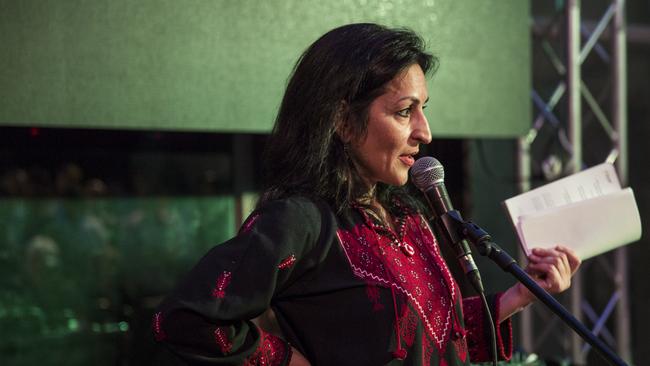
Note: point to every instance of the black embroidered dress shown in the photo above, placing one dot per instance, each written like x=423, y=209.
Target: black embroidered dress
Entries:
x=345, y=291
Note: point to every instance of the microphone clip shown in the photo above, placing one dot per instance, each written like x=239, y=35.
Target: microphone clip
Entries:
x=456, y=229
x=453, y=226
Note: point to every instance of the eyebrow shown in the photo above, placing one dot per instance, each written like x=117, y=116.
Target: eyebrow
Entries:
x=413, y=99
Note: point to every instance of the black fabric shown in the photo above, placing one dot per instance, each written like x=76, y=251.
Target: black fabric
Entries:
x=321, y=306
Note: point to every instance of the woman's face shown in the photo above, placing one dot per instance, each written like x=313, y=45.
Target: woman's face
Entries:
x=396, y=128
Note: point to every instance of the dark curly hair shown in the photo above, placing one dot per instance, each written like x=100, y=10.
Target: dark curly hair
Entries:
x=336, y=79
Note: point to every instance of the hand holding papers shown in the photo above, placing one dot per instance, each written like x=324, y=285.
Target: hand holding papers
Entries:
x=587, y=211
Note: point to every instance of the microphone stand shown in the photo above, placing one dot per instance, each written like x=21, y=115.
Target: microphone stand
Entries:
x=453, y=222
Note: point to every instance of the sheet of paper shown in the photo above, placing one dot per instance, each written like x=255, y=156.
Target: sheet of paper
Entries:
x=593, y=182
x=586, y=211
x=589, y=227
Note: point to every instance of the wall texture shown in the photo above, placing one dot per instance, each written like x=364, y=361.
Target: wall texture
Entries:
x=221, y=65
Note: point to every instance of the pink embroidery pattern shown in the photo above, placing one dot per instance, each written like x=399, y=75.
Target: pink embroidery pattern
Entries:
x=248, y=224
x=222, y=341
x=159, y=335
x=382, y=263
x=461, y=345
x=408, y=324
x=374, y=296
x=222, y=282
x=287, y=262
x=474, y=319
x=271, y=352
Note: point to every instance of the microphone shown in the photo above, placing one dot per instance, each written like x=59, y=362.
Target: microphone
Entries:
x=429, y=176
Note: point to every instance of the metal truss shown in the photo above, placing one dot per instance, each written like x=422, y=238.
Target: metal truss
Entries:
x=560, y=120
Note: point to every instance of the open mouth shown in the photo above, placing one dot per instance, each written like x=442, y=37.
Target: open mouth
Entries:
x=408, y=160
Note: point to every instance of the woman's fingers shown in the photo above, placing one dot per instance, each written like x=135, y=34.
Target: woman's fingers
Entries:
x=571, y=256
x=568, y=257
x=550, y=256
x=549, y=277
x=553, y=267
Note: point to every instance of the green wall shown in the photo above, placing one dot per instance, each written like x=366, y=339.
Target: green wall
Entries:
x=219, y=65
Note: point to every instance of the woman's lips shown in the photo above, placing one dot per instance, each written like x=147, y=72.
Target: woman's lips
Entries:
x=408, y=160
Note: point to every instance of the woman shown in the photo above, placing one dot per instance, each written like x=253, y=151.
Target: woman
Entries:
x=338, y=251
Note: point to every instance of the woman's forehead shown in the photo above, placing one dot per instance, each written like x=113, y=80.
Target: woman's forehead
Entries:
x=409, y=84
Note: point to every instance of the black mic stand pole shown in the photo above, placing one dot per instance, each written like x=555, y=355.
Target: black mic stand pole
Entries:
x=483, y=242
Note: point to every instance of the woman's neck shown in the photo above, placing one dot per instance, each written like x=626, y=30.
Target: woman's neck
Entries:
x=366, y=194
x=372, y=203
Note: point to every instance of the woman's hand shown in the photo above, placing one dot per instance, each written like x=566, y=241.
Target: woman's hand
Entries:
x=552, y=269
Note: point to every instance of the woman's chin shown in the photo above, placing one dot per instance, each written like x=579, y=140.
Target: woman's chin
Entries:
x=399, y=181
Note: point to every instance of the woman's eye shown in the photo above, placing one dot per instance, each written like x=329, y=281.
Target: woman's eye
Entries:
x=404, y=112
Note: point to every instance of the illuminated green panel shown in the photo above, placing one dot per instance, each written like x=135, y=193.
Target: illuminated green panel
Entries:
x=220, y=65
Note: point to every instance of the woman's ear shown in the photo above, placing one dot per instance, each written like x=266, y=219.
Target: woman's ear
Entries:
x=342, y=122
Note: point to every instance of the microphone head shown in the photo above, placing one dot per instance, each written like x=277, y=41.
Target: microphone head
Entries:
x=427, y=172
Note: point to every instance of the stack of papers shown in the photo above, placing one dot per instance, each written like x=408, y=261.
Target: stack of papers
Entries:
x=587, y=212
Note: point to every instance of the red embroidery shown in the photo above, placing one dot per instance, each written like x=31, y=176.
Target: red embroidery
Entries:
x=374, y=296
x=222, y=282
x=460, y=344
x=158, y=333
x=287, y=262
x=222, y=341
x=248, y=224
x=423, y=279
x=408, y=324
x=272, y=351
x=479, y=350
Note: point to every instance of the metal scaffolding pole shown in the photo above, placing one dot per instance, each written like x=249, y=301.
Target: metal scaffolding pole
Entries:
x=575, y=138
x=570, y=137
x=619, y=113
x=523, y=183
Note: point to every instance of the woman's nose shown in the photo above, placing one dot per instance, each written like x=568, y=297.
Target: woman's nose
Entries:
x=421, y=131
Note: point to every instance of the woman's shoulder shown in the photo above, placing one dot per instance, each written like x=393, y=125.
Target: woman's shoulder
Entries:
x=295, y=210
x=299, y=204
x=292, y=219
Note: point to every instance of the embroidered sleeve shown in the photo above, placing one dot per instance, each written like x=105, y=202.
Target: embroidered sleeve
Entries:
x=206, y=320
x=272, y=351
x=478, y=331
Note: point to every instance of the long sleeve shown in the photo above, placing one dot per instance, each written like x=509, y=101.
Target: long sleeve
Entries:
x=206, y=320
x=478, y=332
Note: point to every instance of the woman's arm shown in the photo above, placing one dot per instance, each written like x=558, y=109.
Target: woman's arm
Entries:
x=206, y=319
x=552, y=269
